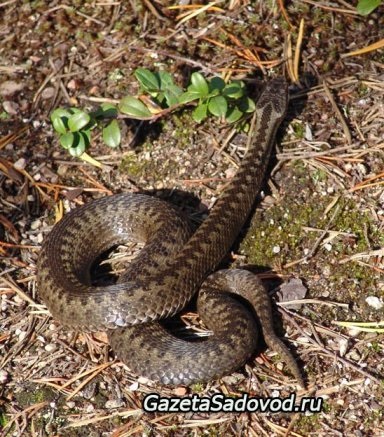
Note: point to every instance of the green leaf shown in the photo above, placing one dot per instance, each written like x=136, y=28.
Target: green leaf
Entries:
x=246, y=105
x=165, y=79
x=233, y=90
x=365, y=7
x=67, y=140
x=189, y=96
x=78, y=150
x=76, y=140
x=104, y=111
x=200, y=113
x=132, y=106
x=59, y=119
x=109, y=110
x=218, y=106
x=86, y=134
x=147, y=79
x=216, y=83
x=82, y=140
x=78, y=120
x=111, y=134
x=199, y=84
x=172, y=94
x=233, y=114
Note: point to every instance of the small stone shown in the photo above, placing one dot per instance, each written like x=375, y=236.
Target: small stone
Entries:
x=354, y=355
x=11, y=108
x=308, y=133
x=50, y=347
x=362, y=168
x=22, y=335
x=114, y=403
x=18, y=300
x=10, y=87
x=62, y=170
x=374, y=302
x=343, y=346
x=36, y=224
x=134, y=386
x=73, y=84
x=95, y=90
x=3, y=376
x=20, y=164
x=180, y=391
x=48, y=93
x=89, y=408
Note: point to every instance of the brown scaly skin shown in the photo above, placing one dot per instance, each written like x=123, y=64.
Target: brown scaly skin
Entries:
x=168, y=272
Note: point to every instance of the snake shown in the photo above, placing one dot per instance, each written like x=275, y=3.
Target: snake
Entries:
x=175, y=264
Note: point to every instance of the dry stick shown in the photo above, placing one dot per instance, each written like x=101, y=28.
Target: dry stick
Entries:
x=18, y=291
x=286, y=156
x=330, y=8
x=155, y=12
x=204, y=68
x=296, y=59
x=285, y=14
x=287, y=315
x=339, y=115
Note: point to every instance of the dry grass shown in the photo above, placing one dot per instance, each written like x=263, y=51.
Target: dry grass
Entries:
x=57, y=382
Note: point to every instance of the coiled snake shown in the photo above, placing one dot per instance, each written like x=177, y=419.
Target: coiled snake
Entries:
x=167, y=273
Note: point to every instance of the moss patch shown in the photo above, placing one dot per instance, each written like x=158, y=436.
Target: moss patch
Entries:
x=280, y=235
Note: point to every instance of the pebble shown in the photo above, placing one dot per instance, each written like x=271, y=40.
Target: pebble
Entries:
x=89, y=408
x=3, y=376
x=48, y=93
x=374, y=302
x=354, y=355
x=10, y=108
x=180, y=391
x=22, y=335
x=114, y=403
x=50, y=347
x=10, y=87
x=343, y=346
x=134, y=386
x=36, y=224
x=20, y=164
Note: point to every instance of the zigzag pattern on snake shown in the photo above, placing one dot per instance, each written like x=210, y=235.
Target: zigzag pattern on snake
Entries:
x=168, y=272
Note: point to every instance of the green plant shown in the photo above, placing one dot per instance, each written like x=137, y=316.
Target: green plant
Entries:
x=74, y=127
x=365, y=7
x=158, y=95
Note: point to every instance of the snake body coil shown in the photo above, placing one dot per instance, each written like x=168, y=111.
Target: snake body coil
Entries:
x=171, y=268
